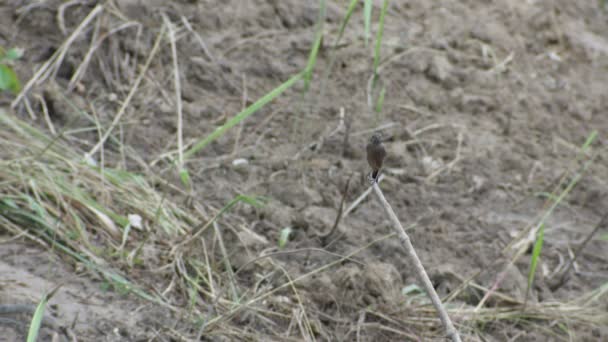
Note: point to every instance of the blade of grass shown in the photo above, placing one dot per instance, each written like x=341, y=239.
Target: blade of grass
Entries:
x=379, y=35
x=589, y=141
x=541, y=226
x=538, y=246
x=198, y=230
x=349, y=13
x=312, y=57
x=380, y=102
x=312, y=61
x=38, y=316
x=367, y=18
x=377, y=50
x=243, y=115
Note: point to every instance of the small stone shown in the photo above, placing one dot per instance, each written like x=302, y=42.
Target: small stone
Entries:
x=240, y=163
x=440, y=69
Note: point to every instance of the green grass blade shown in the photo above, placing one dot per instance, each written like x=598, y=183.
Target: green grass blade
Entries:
x=312, y=57
x=243, y=115
x=32, y=334
x=312, y=60
x=367, y=17
x=589, y=141
x=379, y=35
x=349, y=13
x=538, y=246
x=558, y=199
x=253, y=201
x=380, y=102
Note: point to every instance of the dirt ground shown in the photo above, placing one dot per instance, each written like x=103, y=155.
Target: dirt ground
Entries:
x=486, y=107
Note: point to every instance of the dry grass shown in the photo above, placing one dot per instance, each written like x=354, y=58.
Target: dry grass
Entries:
x=52, y=196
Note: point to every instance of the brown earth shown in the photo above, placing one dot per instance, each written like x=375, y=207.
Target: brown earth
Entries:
x=487, y=105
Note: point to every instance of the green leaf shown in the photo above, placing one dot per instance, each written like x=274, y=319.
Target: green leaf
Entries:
x=312, y=57
x=538, y=246
x=8, y=79
x=32, y=334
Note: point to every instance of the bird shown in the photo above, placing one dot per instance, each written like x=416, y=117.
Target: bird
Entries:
x=375, y=155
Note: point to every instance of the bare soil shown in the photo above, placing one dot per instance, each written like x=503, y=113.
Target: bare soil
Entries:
x=487, y=105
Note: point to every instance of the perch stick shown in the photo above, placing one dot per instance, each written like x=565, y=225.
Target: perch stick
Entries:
x=451, y=331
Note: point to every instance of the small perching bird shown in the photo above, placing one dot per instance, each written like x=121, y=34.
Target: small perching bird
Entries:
x=375, y=155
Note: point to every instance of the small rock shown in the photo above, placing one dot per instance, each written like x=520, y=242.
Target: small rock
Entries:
x=240, y=163
x=440, y=69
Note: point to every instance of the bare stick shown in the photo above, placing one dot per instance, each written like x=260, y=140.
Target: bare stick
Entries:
x=243, y=106
x=451, y=332
x=178, y=91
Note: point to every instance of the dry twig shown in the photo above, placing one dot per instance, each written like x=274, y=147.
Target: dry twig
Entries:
x=451, y=331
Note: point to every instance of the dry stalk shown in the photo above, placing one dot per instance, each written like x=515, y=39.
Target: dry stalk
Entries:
x=451, y=331
x=178, y=91
x=53, y=63
x=132, y=92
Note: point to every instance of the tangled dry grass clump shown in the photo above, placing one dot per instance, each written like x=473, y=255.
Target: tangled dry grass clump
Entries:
x=52, y=196
x=116, y=207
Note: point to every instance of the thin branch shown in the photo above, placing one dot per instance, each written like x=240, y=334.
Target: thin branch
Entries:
x=451, y=331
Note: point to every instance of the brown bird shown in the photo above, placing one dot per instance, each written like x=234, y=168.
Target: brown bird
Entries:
x=375, y=155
